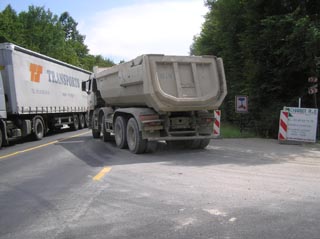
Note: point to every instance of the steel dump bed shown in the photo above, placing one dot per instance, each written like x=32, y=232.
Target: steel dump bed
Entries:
x=164, y=83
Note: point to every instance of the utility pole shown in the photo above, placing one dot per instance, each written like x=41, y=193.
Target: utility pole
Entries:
x=313, y=90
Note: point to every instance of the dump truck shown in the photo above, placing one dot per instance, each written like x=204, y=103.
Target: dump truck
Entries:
x=38, y=93
x=156, y=98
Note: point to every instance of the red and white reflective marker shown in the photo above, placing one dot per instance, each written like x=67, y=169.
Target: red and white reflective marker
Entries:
x=283, y=125
x=216, y=125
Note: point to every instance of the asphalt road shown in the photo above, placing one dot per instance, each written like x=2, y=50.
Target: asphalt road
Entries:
x=70, y=185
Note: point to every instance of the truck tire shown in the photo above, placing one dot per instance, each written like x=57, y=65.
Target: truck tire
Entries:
x=120, y=132
x=106, y=136
x=75, y=125
x=136, y=144
x=0, y=138
x=96, y=134
x=86, y=119
x=38, y=129
x=82, y=123
x=193, y=144
x=152, y=146
x=175, y=144
x=204, y=143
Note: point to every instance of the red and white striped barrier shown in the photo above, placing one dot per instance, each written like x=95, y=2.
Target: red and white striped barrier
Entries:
x=283, y=125
x=216, y=125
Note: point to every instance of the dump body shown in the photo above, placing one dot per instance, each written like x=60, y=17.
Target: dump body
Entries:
x=164, y=83
x=34, y=83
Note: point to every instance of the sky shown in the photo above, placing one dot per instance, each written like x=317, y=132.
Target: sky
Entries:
x=124, y=29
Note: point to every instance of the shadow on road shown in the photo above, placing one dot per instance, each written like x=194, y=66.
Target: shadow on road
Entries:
x=30, y=138
x=240, y=152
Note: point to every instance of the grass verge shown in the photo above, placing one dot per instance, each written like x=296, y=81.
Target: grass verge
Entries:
x=228, y=130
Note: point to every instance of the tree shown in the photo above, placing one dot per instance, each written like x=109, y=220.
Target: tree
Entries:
x=73, y=38
x=10, y=27
x=269, y=49
x=42, y=31
x=220, y=36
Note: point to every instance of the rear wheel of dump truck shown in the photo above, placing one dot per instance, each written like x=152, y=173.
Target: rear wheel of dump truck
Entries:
x=193, y=144
x=82, y=122
x=204, y=143
x=0, y=138
x=38, y=128
x=96, y=133
x=120, y=132
x=175, y=144
x=75, y=125
x=136, y=144
x=151, y=146
x=106, y=136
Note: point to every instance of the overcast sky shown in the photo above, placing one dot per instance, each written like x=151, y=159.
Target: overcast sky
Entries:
x=124, y=29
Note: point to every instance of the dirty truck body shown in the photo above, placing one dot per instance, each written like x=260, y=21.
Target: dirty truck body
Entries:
x=157, y=98
x=38, y=93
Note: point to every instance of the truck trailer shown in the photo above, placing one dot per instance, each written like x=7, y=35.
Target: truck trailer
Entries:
x=38, y=94
x=156, y=98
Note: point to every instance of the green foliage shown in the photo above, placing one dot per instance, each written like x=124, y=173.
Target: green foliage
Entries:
x=232, y=131
x=10, y=26
x=270, y=48
x=42, y=31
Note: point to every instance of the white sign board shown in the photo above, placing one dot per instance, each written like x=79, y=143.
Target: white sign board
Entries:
x=241, y=104
x=302, y=124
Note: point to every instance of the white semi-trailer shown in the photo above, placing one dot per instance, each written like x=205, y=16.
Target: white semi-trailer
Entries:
x=156, y=98
x=38, y=93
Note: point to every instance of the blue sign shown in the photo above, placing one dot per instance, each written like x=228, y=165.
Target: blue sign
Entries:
x=241, y=104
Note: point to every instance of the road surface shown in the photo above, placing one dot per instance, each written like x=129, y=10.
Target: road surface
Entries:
x=70, y=185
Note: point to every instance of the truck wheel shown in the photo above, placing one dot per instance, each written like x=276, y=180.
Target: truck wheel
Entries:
x=204, y=143
x=82, y=122
x=75, y=125
x=136, y=144
x=105, y=135
x=120, y=133
x=175, y=144
x=96, y=133
x=0, y=138
x=86, y=117
x=151, y=146
x=193, y=144
x=38, y=129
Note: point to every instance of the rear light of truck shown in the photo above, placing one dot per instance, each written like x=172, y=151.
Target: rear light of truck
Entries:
x=151, y=122
x=148, y=117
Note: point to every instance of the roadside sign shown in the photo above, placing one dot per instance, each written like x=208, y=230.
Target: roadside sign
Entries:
x=302, y=124
x=312, y=79
x=241, y=104
x=313, y=89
